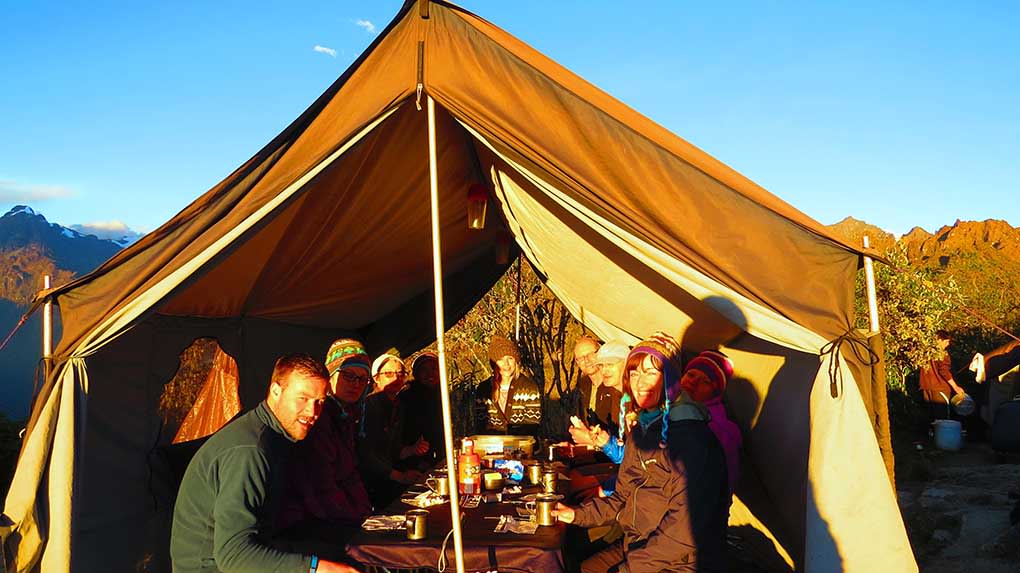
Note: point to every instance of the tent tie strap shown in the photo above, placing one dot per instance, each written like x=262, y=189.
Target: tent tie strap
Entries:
x=858, y=345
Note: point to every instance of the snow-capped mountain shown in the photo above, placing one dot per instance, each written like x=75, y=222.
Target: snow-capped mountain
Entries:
x=31, y=247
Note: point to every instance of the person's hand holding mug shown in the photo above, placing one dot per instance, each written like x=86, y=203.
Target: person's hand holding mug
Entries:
x=563, y=513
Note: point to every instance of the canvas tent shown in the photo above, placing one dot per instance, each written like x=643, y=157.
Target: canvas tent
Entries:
x=326, y=231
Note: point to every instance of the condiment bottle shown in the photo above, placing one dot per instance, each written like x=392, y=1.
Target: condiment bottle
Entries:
x=469, y=469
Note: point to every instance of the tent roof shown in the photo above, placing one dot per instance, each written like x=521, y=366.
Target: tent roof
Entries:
x=352, y=245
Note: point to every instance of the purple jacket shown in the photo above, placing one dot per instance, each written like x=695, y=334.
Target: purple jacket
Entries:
x=729, y=436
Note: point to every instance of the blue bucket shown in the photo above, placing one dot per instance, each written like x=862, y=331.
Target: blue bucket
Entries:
x=948, y=435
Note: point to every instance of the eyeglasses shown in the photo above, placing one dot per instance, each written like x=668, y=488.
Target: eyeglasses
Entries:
x=392, y=374
x=586, y=359
x=352, y=378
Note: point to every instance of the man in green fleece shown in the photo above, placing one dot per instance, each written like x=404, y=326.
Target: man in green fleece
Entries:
x=224, y=506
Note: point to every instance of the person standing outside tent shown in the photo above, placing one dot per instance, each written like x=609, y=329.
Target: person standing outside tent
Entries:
x=936, y=379
x=223, y=514
x=672, y=498
x=509, y=402
x=387, y=463
x=326, y=500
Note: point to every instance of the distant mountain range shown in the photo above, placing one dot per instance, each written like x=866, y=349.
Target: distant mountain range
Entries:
x=992, y=241
x=31, y=246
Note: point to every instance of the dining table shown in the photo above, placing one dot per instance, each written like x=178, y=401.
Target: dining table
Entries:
x=484, y=549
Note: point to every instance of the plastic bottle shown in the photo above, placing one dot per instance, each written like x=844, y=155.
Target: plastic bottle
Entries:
x=469, y=469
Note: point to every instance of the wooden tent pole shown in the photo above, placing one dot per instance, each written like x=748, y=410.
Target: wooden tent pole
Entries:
x=869, y=278
x=47, y=336
x=444, y=389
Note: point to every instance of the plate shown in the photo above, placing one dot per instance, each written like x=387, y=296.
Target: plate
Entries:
x=533, y=496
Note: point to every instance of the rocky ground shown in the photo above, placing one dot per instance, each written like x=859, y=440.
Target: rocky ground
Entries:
x=956, y=506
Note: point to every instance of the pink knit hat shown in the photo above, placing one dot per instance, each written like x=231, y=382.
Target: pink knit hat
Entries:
x=722, y=360
x=711, y=370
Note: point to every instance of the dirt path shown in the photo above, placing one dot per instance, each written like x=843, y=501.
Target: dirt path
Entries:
x=956, y=506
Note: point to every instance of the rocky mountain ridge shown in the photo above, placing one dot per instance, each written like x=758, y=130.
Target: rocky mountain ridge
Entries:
x=992, y=238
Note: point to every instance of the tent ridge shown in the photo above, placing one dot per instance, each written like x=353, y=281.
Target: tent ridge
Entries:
x=620, y=123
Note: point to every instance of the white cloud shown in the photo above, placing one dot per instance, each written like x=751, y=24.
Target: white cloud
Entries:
x=325, y=50
x=14, y=192
x=367, y=25
x=107, y=230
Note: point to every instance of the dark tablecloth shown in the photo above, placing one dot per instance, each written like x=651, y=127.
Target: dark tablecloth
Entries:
x=484, y=550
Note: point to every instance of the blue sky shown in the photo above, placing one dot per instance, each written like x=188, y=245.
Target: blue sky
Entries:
x=898, y=113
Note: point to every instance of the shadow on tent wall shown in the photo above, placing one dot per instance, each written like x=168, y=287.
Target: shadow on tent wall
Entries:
x=769, y=399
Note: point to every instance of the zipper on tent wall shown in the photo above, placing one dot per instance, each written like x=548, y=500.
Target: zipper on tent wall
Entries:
x=423, y=9
x=421, y=68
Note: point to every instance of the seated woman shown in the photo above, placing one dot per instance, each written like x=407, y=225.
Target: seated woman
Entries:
x=325, y=498
x=386, y=461
x=671, y=497
x=508, y=402
x=705, y=378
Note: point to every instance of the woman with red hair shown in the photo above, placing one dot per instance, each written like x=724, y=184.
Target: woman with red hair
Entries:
x=671, y=498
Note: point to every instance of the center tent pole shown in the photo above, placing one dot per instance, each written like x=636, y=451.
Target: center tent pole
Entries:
x=444, y=389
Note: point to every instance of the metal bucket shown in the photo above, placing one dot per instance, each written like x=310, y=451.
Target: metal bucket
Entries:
x=963, y=405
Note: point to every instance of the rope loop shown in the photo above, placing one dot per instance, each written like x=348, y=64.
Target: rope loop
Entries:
x=858, y=345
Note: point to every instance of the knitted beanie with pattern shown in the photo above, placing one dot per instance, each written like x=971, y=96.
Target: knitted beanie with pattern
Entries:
x=346, y=353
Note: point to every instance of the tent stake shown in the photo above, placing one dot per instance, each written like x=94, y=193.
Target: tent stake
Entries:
x=444, y=389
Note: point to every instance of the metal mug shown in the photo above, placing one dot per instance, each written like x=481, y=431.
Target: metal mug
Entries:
x=534, y=472
x=439, y=485
x=549, y=481
x=542, y=507
x=417, y=523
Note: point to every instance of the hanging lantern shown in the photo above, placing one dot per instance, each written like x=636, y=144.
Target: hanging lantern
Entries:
x=503, y=248
x=478, y=200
